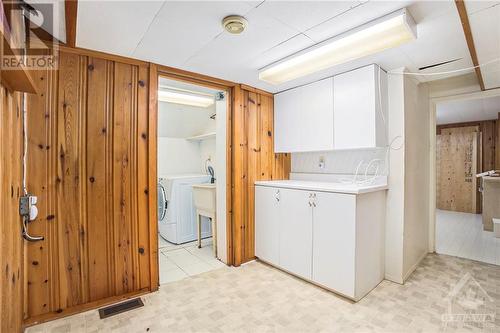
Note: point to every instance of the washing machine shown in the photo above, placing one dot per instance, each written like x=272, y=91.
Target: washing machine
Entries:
x=176, y=210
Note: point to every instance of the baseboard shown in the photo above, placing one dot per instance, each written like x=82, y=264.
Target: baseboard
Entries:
x=414, y=267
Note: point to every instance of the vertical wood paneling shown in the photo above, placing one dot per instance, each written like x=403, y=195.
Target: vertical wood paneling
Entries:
x=11, y=244
x=152, y=176
x=39, y=150
x=98, y=225
x=89, y=149
x=69, y=182
x=122, y=177
x=142, y=176
x=253, y=159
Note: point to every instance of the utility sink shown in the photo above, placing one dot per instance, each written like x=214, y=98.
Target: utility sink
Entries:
x=204, y=198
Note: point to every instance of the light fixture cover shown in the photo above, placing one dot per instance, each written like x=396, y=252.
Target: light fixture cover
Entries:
x=185, y=98
x=386, y=32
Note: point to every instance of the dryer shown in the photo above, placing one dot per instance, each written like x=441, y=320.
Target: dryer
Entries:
x=176, y=211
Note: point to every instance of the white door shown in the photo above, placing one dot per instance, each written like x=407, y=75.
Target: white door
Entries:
x=317, y=116
x=267, y=228
x=295, y=232
x=334, y=241
x=287, y=121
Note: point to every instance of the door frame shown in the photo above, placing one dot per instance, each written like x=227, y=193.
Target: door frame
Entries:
x=157, y=72
x=432, y=151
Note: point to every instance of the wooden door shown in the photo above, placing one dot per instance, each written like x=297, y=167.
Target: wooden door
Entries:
x=296, y=232
x=457, y=159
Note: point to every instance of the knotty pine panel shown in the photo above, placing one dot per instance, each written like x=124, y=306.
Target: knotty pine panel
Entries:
x=253, y=159
x=89, y=151
x=11, y=243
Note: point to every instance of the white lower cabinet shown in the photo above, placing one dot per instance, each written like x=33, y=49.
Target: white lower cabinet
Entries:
x=333, y=247
x=295, y=232
x=267, y=219
x=334, y=240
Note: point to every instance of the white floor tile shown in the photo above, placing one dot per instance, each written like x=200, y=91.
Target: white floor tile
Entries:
x=172, y=275
x=196, y=269
x=462, y=235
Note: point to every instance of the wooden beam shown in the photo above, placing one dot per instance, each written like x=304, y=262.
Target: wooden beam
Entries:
x=71, y=11
x=464, y=18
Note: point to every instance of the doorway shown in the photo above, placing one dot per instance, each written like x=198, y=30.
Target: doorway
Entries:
x=465, y=139
x=192, y=158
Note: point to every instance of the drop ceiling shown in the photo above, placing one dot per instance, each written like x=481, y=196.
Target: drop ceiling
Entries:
x=460, y=111
x=189, y=35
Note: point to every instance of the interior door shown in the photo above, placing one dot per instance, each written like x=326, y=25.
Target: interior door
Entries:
x=296, y=232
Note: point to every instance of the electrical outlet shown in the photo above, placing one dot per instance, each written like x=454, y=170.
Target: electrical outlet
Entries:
x=321, y=163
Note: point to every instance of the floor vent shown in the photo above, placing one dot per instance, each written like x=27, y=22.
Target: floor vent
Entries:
x=120, y=308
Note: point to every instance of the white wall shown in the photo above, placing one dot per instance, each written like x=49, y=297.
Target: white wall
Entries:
x=337, y=162
x=407, y=235
x=395, y=194
x=176, y=156
x=417, y=171
x=182, y=121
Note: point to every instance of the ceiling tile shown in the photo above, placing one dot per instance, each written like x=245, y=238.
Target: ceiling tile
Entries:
x=353, y=18
x=303, y=15
x=486, y=34
x=114, y=26
x=179, y=32
x=476, y=6
x=230, y=54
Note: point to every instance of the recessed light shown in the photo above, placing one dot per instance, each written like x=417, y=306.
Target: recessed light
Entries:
x=234, y=24
x=384, y=33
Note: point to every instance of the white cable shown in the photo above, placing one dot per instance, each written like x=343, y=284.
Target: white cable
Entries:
x=25, y=141
x=447, y=72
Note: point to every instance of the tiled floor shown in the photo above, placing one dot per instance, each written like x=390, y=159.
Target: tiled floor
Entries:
x=462, y=235
x=180, y=261
x=258, y=298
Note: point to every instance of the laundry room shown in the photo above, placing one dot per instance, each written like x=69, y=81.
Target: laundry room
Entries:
x=191, y=162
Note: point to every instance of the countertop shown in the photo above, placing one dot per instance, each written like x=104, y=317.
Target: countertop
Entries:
x=336, y=187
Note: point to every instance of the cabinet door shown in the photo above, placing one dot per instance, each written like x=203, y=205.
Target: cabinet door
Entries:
x=287, y=121
x=267, y=223
x=354, y=109
x=317, y=116
x=296, y=232
x=334, y=242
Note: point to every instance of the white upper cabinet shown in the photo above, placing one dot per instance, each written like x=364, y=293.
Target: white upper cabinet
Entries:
x=343, y=112
x=360, y=108
x=303, y=118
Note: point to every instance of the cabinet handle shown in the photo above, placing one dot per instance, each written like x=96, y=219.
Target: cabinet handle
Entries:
x=277, y=195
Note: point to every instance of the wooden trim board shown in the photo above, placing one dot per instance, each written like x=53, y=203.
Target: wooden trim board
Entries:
x=464, y=18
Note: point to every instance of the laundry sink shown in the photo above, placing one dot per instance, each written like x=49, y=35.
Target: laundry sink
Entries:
x=204, y=198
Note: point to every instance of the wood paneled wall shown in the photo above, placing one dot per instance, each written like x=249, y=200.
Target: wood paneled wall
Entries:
x=489, y=135
x=11, y=241
x=88, y=164
x=458, y=161
x=253, y=159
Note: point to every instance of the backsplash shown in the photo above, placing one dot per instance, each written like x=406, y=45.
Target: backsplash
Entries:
x=340, y=161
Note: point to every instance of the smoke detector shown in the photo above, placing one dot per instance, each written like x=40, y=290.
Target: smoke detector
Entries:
x=234, y=24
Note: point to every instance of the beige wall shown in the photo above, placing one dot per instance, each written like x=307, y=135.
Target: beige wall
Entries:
x=408, y=196
x=417, y=171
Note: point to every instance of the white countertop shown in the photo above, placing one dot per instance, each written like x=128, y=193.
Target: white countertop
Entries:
x=337, y=187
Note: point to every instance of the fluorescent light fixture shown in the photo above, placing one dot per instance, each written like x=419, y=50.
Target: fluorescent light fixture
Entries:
x=378, y=35
x=185, y=97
